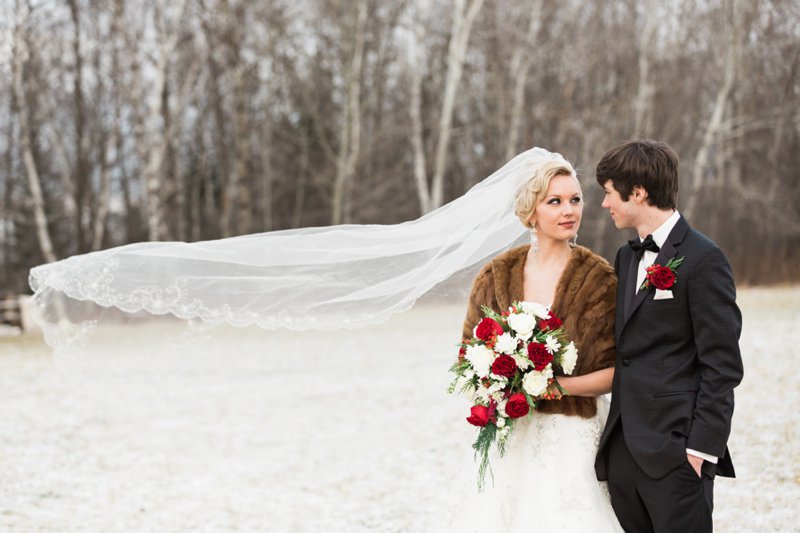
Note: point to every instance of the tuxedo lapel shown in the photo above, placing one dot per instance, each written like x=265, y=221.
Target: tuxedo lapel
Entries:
x=630, y=285
x=667, y=252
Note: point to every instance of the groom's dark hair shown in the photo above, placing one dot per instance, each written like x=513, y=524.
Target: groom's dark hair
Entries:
x=651, y=165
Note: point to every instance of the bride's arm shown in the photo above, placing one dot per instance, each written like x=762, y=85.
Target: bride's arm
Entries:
x=591, y=384
x=598, y=342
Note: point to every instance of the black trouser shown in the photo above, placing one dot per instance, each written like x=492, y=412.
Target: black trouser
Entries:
x=679, y=502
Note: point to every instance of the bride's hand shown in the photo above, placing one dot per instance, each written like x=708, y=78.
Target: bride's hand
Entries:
x=552, y=392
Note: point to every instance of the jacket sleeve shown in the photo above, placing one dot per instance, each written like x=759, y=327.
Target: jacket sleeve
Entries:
x=482, y=293
x=717, y=324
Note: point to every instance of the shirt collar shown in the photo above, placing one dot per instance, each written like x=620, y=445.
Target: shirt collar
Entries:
x=660, y=235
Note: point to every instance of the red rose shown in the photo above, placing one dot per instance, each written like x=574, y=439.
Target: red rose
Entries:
x=487, y=329
x=504, y=365
x=480, y=415
x=462, y=353
x=552, y=323
x=539, y=355
x=661, y=277
x=517, y=405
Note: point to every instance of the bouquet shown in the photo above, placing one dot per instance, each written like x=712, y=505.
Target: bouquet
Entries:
x=506, y=367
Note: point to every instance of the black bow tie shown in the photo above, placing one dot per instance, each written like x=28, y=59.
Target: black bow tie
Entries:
x=639, y=247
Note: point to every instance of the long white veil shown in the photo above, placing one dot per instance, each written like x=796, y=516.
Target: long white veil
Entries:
x=316, y=278
x=162, y=415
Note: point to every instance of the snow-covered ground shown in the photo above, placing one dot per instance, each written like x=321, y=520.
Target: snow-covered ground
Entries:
x=341, y=432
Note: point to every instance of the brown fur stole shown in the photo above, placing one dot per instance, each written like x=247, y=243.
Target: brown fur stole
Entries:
x=585, y=300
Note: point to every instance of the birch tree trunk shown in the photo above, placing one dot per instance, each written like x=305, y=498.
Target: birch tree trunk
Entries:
x=157, y=137
x=80, y=180
x=195, y=211
x=236, y=194
x=521, y=62
x=127, y=197
x=7, y=255
x=457, y=50
x=718, y=111
x=350, y=131
x=642, y=124
x=19, y=47
x=416, y=65
x=463, y=18
x=219, y=134
x=103, y=200
x=300, y=190
x=266, y=182
x=151, y=173
x=65, y=174
x=783, y=118
x=242, y=153
x=110, y=135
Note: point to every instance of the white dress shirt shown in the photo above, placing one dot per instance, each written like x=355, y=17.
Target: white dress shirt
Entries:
x=660, y=237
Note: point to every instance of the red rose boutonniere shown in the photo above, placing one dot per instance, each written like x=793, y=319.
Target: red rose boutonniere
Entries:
x=662, y=277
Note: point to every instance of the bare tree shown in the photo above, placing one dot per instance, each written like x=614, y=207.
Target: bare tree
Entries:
x=350, y=129
x=417, y=62
x=81, y=171
x=153, y=139
x=461, y=27
x=109, y=144
x=20, y=49
x=521, y=63
x=642, y=106
x=463, y=18
x=731, y=61
x=196, y=120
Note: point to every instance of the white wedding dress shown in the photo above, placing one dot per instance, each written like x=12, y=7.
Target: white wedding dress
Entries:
x=545, y=481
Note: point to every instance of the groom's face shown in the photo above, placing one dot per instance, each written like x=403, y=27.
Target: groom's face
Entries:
x=621, y=211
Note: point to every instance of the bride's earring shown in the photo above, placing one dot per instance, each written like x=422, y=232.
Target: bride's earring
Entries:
x=575, y=240
x=534, y=239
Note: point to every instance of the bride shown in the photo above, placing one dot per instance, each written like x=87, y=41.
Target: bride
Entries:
x=546, y=481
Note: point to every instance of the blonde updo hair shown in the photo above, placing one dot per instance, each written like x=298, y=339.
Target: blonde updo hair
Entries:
x=533, y=191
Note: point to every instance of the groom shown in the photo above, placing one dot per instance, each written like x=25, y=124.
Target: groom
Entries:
x=678, y=361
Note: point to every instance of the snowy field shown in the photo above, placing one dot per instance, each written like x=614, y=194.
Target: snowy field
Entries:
x=303, y=432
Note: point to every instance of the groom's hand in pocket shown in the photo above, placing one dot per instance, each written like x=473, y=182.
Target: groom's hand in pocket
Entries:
x=696, y=462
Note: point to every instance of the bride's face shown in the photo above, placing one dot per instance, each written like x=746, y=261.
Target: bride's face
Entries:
x=558, y=215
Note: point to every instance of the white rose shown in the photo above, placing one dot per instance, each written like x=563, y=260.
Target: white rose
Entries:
x=506, y=343
x=551, y=344
x=500, y=422
x=569, y=358
x=522, y=323
x=480, y=357
x=535, y=309
x=535, y=383
x=523, y=338
x=523, y=363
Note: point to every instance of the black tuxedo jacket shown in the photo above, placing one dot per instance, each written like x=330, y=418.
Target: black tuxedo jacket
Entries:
x=678, y=359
